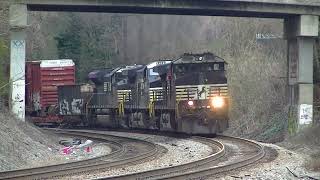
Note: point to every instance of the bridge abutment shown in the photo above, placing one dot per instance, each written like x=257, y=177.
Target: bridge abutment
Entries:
x=18, y=24
x=300, y=32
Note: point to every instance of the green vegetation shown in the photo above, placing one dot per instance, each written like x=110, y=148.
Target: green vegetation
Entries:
x=85, y=42
x=316, y=80
x=68, y=42
x=4, y=59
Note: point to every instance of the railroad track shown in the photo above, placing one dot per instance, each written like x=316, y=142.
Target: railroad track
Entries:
x=124, y=151
x=234, y=153
x=231, y=153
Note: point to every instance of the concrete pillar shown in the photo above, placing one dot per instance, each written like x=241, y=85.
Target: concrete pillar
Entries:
x=18, y=24
x=300, y=32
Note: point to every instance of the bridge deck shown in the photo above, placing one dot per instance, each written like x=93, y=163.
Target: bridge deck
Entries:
x=246, y=8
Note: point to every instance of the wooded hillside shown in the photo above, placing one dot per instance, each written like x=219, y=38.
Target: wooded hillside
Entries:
x=256, y=68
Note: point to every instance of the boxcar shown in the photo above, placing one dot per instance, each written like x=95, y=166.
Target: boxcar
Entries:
x=42, y=79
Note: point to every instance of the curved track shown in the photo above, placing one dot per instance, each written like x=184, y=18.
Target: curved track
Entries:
x=124, y=151
x=231, y=153
x=234, y=153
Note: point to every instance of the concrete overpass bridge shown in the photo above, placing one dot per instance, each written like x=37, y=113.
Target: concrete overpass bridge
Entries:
x=301, y=29
x=246, y=8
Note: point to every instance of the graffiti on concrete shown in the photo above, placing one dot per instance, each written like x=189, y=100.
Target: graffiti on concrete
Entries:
x=18, y=106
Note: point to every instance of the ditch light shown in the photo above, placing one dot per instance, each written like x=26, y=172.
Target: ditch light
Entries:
x=217, y=102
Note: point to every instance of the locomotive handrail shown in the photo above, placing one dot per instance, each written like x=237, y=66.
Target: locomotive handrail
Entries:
x=177, y=105
x=121, y=108
x=151, y=109
x=87, y=109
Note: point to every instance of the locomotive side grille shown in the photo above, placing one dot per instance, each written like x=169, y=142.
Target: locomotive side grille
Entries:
x=186, y=92
x=124, y=95
x=204, y=91
x=221, y=90
x=156, y=94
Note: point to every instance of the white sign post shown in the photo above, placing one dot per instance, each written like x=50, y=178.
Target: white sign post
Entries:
x=305, y=114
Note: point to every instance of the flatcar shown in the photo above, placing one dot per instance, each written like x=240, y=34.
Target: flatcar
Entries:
x=188, y=95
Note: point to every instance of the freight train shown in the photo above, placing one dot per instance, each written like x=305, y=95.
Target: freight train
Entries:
x=188, y=95
x=42, y=79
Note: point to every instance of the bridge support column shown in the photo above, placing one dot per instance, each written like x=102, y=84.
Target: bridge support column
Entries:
x=300, y=32
x=18, y=23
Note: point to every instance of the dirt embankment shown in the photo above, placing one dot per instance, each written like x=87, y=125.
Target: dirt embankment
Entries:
x=296, y=157
x=306, y=142
x=22, y=144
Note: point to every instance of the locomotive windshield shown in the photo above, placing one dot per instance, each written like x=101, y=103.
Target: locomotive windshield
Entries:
x=195, y=69
x=153, y=75
x=213, y=67
x=205, y=67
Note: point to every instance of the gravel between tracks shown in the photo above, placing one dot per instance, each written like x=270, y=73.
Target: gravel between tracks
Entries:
x=179, y=151
x=275, y=165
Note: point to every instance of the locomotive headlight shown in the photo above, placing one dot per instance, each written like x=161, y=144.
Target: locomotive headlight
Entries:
x=190, y=103
x=217, y=102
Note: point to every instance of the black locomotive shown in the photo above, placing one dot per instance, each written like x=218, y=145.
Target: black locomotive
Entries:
x=189, y=95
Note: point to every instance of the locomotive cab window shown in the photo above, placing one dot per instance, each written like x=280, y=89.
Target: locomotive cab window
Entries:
x=207, y=67
x=213, y=67
x=187, y=68
x=181, y=69
x=221, y=66
x=216, y=67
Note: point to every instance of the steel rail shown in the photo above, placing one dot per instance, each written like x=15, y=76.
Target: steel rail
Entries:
x=161, y=173
x=224, y=168
x=96, y=163
x=201, y=168
x=21, y=172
